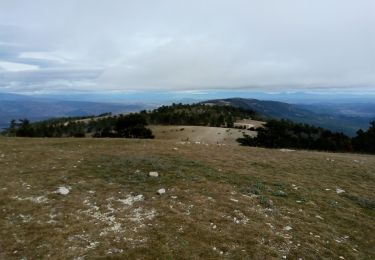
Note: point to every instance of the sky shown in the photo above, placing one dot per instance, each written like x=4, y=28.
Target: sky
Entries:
x=188, y=46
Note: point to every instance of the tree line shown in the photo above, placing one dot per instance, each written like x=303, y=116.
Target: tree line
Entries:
x=288, y=134
x=275, y=133
x=131, y=125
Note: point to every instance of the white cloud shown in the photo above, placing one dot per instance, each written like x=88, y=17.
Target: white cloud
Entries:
x=52, y=56
x=15, y=67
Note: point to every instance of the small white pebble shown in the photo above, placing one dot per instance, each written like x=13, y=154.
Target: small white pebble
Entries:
x=339, y=191
x=287, y=228
x=161, y=191
x=63, y=190
x=153, y=174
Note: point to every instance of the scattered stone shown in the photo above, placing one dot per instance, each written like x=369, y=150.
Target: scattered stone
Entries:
x=319, y=217
x=161, y=191
x=339, y=191
x=213, y=225
x=175, y=148
x=153, y=174
x=287, y=150
x=234, y=200
x=287, y=228
x=174, y=197
x=40, y=199
x=63, y=190
x=270, y=225
x=131, y=199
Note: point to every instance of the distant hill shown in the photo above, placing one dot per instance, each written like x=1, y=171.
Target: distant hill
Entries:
x=14, y=106
x=299, y=113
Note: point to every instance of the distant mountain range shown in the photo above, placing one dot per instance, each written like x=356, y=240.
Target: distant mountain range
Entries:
x=336, y=117
x=13, y=106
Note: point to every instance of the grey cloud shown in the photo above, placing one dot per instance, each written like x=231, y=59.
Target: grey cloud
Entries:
x=190, y=45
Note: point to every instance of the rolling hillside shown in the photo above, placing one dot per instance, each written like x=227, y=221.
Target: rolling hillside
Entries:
x=299, y=113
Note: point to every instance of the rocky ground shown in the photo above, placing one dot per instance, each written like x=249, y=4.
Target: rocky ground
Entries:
x=155, y=199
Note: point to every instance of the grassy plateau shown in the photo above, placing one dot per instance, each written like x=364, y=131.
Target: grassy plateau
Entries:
x=94, y=198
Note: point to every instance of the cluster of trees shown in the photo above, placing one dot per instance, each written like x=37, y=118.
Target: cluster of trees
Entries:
x=176, y=114
x=197, y=114
x=287, y=134
x=127, y=126
x=365, y=140
x=49, y=128
x=132, y=125
x=275, y=134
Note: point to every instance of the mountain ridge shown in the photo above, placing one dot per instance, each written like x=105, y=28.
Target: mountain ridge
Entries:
x=298, y=113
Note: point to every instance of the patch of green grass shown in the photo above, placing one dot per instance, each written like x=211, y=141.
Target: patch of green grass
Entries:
x=280, y=193
x=365, y=203
x=256, y=189
x=134, y=171
x=265, y=201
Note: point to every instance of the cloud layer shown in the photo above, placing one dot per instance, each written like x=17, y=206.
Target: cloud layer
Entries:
x=186, y=45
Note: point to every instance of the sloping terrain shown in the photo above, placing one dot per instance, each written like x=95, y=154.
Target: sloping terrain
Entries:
x=201, y=134
x=89, y=198
x=309, y=114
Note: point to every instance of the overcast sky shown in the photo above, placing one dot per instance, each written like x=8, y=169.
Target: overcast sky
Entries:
x=79, y=45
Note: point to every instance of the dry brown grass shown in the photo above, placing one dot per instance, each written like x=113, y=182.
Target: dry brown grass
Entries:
x=221, y=201
x=202, y=134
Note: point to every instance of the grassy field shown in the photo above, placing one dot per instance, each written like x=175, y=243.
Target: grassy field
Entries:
x=93, y=198
x=202, y=134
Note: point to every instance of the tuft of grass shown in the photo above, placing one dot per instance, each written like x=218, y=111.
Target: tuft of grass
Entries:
x=265, y=201
x=365, y=203
x=280, y=193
